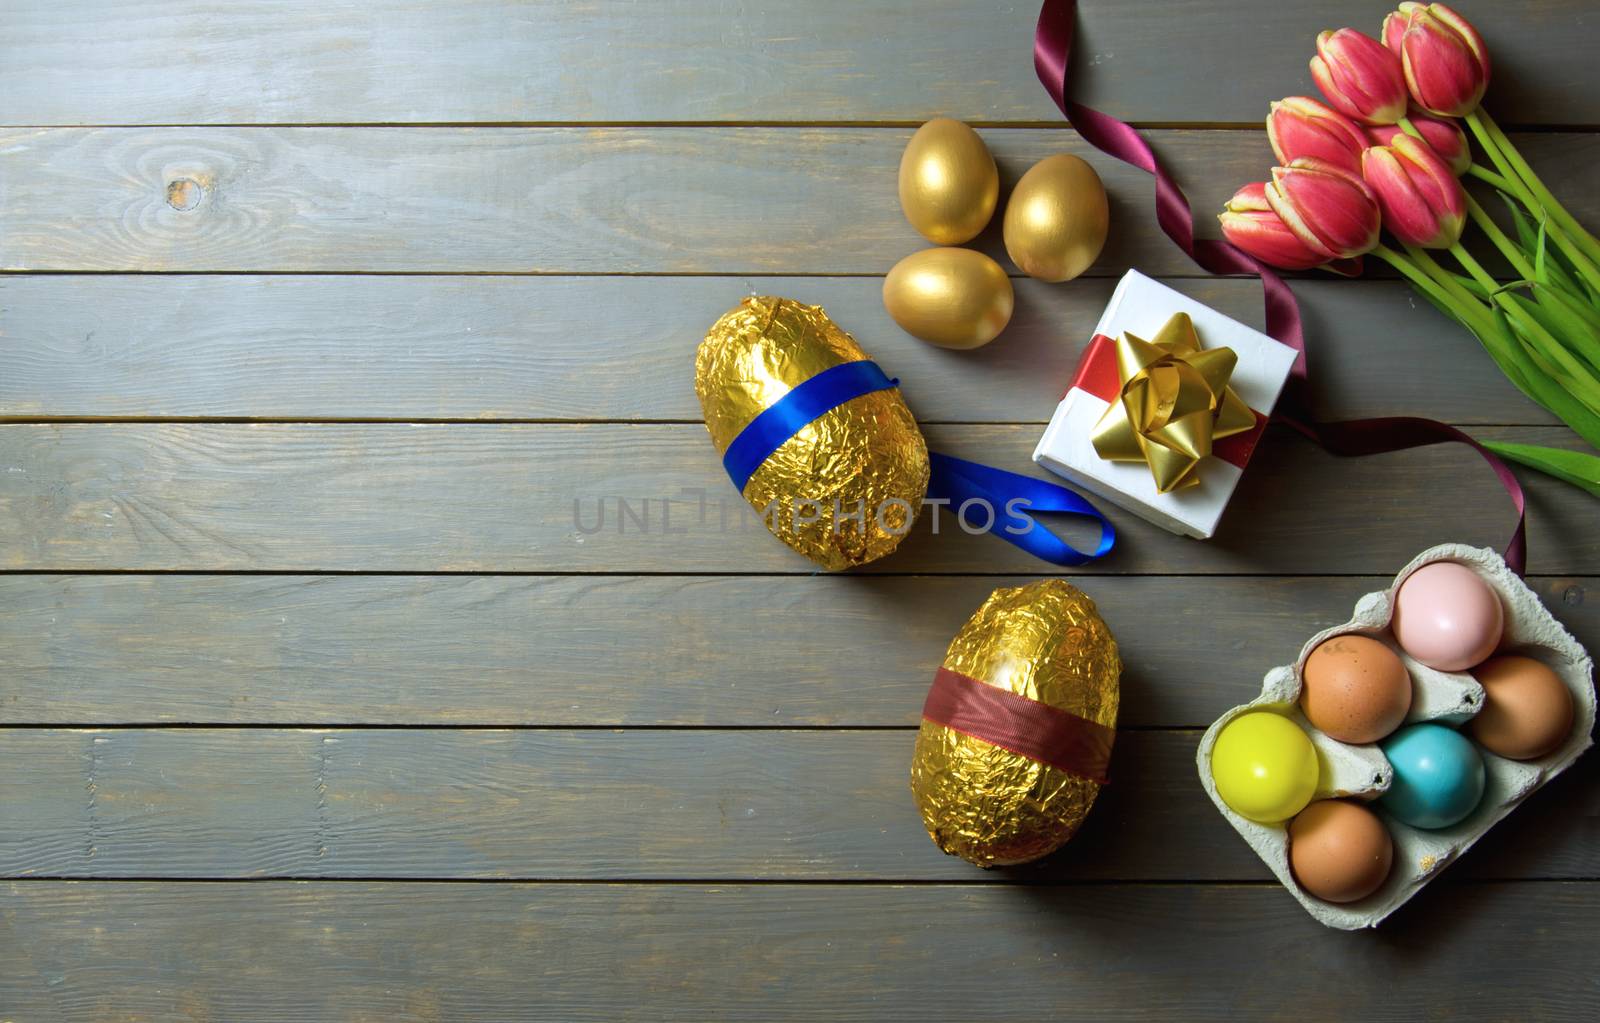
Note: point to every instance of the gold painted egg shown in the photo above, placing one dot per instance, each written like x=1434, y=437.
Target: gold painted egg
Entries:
x=1046, y=643
x=845, y=488
x=1056, y=219
x=948, y=182
x=953, y=298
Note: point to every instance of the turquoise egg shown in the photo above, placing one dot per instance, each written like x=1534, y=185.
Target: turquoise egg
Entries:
x=1438, y=776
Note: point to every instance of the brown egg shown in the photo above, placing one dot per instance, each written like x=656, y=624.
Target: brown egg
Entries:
x=1056, y=219
x=948, y=182
x=1339, y=851
x=1527, y=710
x=1355, y=689
x=953, y=298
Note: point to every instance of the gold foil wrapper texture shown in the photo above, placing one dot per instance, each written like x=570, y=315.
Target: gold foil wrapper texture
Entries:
x=845, y=489
x=988, y=805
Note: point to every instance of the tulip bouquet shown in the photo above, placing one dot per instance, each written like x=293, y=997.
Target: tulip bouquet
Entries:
x=1386, y=154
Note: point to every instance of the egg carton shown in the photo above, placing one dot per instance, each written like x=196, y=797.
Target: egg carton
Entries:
x=1362, y=771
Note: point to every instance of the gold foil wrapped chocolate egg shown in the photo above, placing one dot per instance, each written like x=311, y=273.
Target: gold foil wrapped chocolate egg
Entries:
x=983, y=802
x=948, y=182
x=953, y=298
x=1056, y=219
x=845, y=489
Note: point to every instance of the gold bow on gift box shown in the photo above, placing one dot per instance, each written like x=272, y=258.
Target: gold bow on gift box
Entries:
x=1175, y=400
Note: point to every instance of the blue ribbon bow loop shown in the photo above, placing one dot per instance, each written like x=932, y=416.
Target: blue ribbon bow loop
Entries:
x=1011, y=495
x=1008, y=495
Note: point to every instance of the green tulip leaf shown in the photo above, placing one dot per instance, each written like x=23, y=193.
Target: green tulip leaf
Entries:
x=1575, y=467
x=1537, y=384
x=1580, y=325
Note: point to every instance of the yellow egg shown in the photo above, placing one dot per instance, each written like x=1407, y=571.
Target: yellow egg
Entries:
x=948, y=182
x=1264, y=766
x=1056, y=219
x=953, y=298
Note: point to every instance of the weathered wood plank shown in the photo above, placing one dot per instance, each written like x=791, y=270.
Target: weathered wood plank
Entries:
x=560, y=200
x=606, y=805
x=611, y=650
x=192, y=62
x=368, y=347
x=419, y=953
x=528, y=498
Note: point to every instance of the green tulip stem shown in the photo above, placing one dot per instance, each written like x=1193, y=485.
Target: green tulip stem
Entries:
x=1492, y=287
x=1441, y=288
x=1519, y=359
x=1546, y=347
x=1463, y=302
x=1483, y=173
x=1494, y=334
x=1527, y=370
x=1474, y=268
x=1512, y=251
x=1580, y=259
x=1483, y=126
x=1509, y=181
x=1413, y=273
x=1526, y=173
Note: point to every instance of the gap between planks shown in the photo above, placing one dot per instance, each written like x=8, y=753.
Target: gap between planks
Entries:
x=987, y=880
x=495, y=421
x=1576, y=127
x=431, y=726
x=659, y=574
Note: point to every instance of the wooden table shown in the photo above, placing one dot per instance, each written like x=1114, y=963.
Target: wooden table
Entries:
x=317, y=702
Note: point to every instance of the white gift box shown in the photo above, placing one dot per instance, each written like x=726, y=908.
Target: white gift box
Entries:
x=1141, y=306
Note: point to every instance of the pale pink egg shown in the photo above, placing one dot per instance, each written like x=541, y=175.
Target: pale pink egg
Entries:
x=1447, y=617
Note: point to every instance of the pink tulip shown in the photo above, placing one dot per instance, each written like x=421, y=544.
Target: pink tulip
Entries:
x=1445, y=63
x=1422, y=201
x=1394, y=27
x=1443, y=136
x=1328, y=208
x=1360, y=77
x=1300, y=126
x=1248, y=222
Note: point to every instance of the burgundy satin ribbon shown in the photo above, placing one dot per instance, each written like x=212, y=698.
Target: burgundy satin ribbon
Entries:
x=1026, y=727
x=1353, y=437
x=1052, y=50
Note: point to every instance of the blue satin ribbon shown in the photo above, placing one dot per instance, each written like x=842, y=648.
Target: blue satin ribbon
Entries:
x=1011, y=494
x=1008, y=495
x=795, y=411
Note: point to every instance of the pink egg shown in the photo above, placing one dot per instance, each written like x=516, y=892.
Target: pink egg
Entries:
x=1447, y=617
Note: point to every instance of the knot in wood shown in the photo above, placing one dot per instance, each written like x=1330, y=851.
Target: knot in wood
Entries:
x=184, y=194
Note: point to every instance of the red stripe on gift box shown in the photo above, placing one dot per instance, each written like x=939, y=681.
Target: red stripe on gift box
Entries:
x=1097, y=375
x=1097, y=370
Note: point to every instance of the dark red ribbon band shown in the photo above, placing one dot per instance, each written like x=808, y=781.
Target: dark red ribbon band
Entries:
x=1052, y=50
x=1026, y=727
